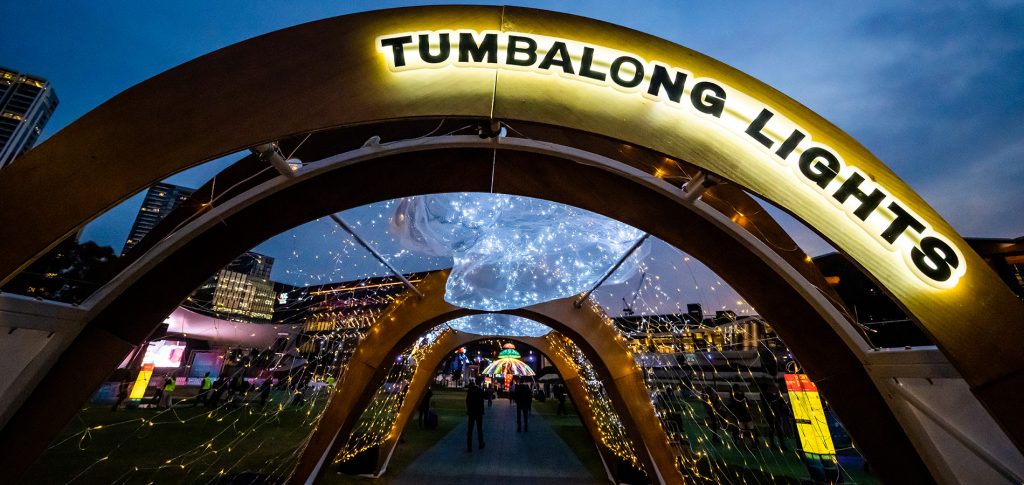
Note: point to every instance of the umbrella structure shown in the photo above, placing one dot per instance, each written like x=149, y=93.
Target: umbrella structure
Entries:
x=508, y=363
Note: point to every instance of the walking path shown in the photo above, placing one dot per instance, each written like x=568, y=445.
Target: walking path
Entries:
x=538, y=456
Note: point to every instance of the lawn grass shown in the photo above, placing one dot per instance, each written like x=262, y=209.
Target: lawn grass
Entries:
x=182, y=445
x=570, y=429
x=451, y=410
x=252, y=444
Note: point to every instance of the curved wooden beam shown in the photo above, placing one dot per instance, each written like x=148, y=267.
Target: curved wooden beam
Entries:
x=750, y=268
x=409, y=318
x=250, y=91
x=445, y=345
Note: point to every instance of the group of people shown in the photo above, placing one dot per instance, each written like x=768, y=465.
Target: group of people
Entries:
x=736, y=413
x=520, y=393
x=211, y=393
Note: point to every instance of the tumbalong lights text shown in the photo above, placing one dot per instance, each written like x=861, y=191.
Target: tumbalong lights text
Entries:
x=885, y=218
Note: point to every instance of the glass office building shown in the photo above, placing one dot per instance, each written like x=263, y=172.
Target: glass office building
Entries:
x=26, y=104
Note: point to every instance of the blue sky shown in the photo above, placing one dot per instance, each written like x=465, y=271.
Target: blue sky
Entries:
x=934, y=89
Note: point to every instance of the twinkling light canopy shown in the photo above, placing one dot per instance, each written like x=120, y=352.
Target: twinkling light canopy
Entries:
x=509, y=251
x=499, y=325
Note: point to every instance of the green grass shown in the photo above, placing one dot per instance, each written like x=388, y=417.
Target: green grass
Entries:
x=143, y=445
x=181, y=445
x=569, y=427
x=451, y=410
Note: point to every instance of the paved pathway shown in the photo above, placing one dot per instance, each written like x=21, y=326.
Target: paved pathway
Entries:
x=538, y=456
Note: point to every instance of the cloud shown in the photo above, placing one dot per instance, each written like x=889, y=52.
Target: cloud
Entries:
x=954, y=81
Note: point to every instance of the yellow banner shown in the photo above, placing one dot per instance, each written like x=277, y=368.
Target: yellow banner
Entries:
x=809, y=415
x=139, y=389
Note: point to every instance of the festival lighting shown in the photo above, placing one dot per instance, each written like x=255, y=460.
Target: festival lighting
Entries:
x=499, y=324
x=508, y=363
x=609, y=424
x=509, y=252
x=704, y=454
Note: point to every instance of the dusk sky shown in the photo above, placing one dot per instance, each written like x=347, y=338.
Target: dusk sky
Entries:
x=934, y=89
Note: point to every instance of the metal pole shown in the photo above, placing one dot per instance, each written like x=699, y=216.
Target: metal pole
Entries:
x=271, y=154
x=615, y=267
x=337, y=220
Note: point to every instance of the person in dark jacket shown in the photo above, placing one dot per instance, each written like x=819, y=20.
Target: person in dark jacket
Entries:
x=265, y=389
x=425, y=406
x=523, y=398
x=123, y=390
x=475, y=412
x=560, y=396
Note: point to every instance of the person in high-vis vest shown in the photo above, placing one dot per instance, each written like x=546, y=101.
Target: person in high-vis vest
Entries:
x=165, y=398
x=204, y=390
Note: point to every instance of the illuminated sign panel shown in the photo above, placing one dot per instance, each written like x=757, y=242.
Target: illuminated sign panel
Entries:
x=139, y=389
x=809, y=415
x=879, y=214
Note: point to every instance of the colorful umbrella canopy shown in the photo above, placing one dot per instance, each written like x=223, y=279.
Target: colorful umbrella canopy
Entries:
x=503, y=366
x=508, y=363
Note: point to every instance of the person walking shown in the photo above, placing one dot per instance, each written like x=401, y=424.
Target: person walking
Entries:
x=489, y=393
x=168, y=394
x=523, y=398
x=425, y=407
x=475, y=412
x=219, y=388
x=204, y=390
x=122, y=394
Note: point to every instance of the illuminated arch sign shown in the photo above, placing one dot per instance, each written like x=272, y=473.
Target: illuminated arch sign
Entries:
x=888, y=220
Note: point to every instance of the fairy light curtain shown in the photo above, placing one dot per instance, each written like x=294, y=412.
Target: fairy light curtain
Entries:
x=613, y=433
x=377, y=421
x=241, y=435
x=508, y=252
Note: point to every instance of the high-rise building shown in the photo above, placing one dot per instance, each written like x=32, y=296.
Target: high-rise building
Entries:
x=160, y=200
x=26, y=103
x=242, y=290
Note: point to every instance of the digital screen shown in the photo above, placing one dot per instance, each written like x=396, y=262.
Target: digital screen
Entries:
x=164, y=353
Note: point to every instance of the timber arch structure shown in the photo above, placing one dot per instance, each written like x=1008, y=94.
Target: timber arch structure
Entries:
x=611, y=149
x=452, y=340
x=408, y=319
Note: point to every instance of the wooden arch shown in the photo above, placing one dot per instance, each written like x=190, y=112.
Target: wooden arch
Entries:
x=134, y=307
x=332, y=73
x=408, y=319
x=446, y=344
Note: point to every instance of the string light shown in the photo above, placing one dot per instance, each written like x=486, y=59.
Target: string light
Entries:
x=509, y=251
x=553, y=251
